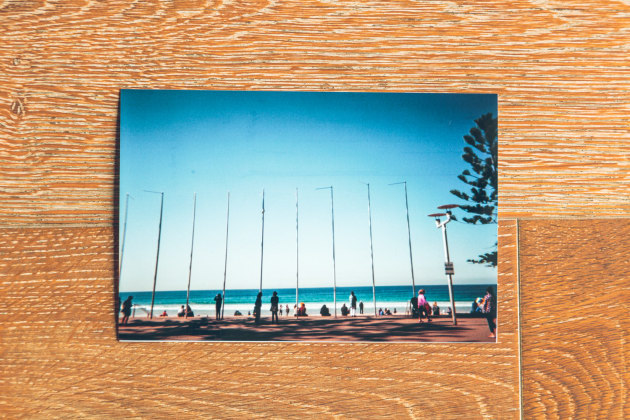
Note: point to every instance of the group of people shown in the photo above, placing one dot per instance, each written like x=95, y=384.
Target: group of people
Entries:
x=298, y=311
x=386, y=311
x=276, y=308
x=487, y=306
x=127, y=306
x=185, y=312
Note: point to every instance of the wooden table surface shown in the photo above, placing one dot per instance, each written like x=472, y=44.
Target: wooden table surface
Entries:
x=562, y=75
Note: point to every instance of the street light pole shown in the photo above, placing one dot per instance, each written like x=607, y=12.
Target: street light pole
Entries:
x=449, y=270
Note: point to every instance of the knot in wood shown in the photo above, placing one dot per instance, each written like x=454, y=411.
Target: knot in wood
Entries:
x=17, y=107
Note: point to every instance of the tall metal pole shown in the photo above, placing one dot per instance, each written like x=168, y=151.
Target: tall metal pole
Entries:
x=371, y=250
x=450, y=276
x=297, y=250
x=192, y=243
x=332, y=209
x=157, y=256
x=413, y=279
x=227, y=227
x=122, y=251
x=262, y=241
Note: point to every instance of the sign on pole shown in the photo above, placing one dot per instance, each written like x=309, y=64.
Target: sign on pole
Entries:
x=448, y=268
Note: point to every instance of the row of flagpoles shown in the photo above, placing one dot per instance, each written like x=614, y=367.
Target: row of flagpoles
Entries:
x=262, y=246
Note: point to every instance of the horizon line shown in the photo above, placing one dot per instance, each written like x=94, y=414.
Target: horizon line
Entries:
x=303, y=288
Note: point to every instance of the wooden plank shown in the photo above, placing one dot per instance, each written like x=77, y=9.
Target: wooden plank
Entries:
x=560, y=70
x=60, y=356
x=575, y=291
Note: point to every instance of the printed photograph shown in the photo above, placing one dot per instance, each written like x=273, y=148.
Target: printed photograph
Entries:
x=307, y=216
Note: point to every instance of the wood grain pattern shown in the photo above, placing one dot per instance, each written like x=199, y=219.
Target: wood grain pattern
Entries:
x=60, y=358
x=561, y=72
x=575, y=290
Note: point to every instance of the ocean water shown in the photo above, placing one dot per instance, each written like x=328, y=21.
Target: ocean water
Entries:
x=391, y=297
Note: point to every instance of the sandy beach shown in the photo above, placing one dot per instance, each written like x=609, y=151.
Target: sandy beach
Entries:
x=342, y=329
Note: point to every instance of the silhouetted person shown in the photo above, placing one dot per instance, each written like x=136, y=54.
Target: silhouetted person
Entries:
x=436, y=309
x=286, y=308
x=189, y=311
x=344, y=310
x=257, y=306
x=302, y=310
x=353, y=304
x=274, y=307
x=490, y=310
x=126, y=310
x=218, y=301
x=361, y=307
x=324, y=311
x=414, y=306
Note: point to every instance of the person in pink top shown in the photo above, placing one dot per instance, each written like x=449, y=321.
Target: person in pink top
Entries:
x=423, y=306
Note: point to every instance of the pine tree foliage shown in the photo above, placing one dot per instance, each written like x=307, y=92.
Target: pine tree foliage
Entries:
x=482, y=178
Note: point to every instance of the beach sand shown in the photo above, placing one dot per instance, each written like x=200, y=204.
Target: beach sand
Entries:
x=397, y=328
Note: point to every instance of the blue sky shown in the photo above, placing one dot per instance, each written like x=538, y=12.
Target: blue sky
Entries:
x=212, y=142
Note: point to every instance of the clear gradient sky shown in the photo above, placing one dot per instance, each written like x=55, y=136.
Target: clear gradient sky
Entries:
x=212, y=142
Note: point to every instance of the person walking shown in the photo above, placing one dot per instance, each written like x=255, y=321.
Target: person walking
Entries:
x=274, y=307
x=361, y=307
x=286, y=309
x=353, y=304
x=217, y=305
x=423, y=306
x=126, y=310
x=489, y=305
x=257, y=307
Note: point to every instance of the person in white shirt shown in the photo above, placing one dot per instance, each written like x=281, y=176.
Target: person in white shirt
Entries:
x=353, y=304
